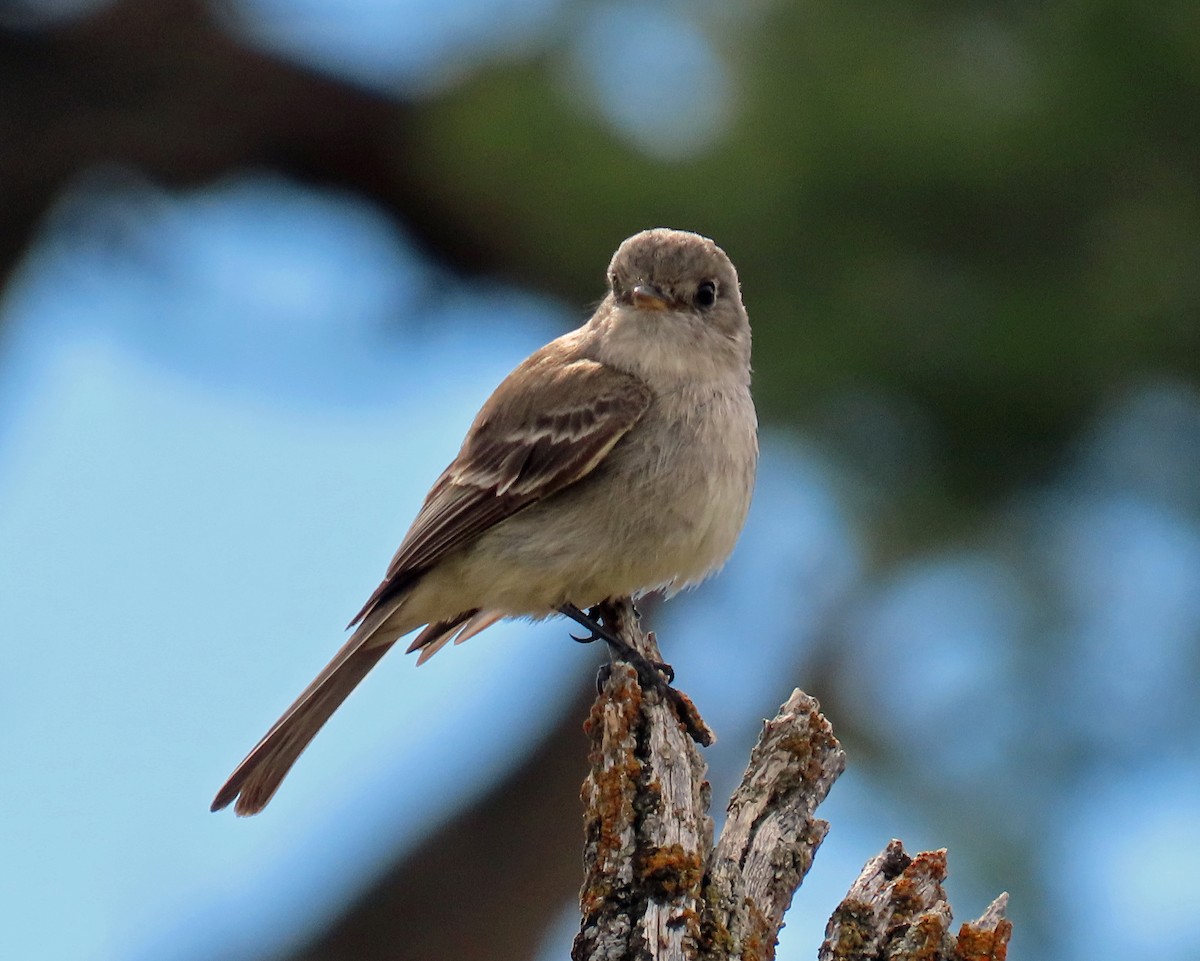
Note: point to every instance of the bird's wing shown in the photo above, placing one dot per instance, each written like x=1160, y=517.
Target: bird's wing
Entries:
x=548, y=425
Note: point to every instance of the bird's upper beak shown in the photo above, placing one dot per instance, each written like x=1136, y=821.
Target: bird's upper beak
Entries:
x=648, y=297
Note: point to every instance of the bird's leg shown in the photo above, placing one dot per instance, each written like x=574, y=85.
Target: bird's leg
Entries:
x=647, y=669
x=593, y=620
x=590, y=620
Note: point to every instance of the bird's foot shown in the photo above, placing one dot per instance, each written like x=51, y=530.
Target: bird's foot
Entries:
x=650, y=672
x=593, y=624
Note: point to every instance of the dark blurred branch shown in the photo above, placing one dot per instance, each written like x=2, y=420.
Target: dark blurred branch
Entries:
x=944, y=284
x=656, y=888
x=467, y=891
x=159, y=86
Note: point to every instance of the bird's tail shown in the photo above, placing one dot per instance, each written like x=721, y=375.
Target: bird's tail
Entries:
x=258, y=777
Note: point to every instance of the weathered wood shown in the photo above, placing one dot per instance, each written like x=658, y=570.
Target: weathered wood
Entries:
x=657, y=889
x=648, y=833
x=770, y=834
x=897, y=909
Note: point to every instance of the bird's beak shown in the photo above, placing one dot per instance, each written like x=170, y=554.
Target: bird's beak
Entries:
x=648, y=297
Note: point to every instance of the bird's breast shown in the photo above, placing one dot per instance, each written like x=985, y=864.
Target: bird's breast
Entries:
x=663, y=510
x=690, y=473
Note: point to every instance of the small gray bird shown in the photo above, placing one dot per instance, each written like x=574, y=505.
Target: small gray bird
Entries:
x=616, y=460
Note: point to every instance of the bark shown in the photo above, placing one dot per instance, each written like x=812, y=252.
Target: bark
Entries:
x=656, y=887
x=897, y=909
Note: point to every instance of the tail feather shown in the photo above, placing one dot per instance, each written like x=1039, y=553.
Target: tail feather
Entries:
x=257, y=778
x=434, y=637
x=457, y=629
x=481, y=621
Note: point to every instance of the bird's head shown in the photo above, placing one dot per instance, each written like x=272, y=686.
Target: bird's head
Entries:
x=673, y=297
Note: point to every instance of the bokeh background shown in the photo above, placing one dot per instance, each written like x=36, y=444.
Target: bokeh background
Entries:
x=262, y=260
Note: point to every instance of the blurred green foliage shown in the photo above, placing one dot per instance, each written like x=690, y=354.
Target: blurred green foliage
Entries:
x=988, y=210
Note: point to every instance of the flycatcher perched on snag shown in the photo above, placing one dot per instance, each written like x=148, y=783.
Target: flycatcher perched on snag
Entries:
x=616, y=460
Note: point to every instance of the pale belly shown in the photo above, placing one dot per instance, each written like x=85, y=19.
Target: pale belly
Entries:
x=663, y=511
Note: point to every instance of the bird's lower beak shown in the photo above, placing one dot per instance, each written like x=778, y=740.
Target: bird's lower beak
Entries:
x=648, y=297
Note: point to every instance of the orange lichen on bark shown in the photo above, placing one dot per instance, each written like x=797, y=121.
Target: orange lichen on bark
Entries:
x=670, y=871
x=609, y=794
x=761, y=938
x=985, y=939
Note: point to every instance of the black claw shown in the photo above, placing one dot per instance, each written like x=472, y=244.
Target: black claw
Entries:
x=598, y=631
x=651, y=672
x=602, y=677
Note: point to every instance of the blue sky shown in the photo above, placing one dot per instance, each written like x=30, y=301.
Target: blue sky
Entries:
x=219, y=410
x=190, y=516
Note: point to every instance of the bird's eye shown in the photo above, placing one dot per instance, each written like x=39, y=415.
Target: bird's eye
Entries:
x=706, y=294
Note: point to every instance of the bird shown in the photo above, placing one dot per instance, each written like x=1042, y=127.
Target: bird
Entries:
x=617, y=460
